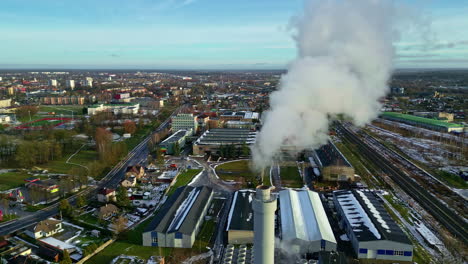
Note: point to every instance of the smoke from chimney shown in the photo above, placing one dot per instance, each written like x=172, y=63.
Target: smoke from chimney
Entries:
x=345, y=53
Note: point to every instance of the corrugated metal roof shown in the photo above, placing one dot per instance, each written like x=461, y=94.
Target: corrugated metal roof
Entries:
x=241, y=213
x=419, y=119
x=367, y=216
x=303, y=216
x=181, y=211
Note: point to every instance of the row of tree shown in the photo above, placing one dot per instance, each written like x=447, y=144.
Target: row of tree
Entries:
x=26, y=111
x=233, y=151
x=31, y=153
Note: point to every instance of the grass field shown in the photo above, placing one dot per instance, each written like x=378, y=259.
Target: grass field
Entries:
x=238, y=171
x=403, y=210
x=131, y=244
x=10, y=180
x=62, y=109
x=8, y=217
x=206, y=232
x=451, y=179
x=89, y=218
x=39, y=123
x=84, y=157
x=361, y=166
x=290, y=177
x=183, y=179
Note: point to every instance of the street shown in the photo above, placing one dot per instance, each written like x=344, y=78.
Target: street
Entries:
x=111, y=180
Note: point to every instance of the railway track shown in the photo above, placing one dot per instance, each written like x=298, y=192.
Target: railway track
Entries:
x=439, y=189
x=453, y=222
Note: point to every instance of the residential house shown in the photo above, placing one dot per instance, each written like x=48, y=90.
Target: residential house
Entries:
x=137, y=171
x=48, y=254
x=106, y=195
x=107, y=211
x=129, y=182
x=45, y=228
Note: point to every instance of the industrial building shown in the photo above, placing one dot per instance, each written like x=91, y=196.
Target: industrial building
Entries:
x=168, y=145
x=432, y=124
x=240, y=124
x=245, y=116
x=184, y=122
x=375, y=237
x=240, y=229
x=127, y=109
x=264, y=206
x=304, y=223
x=333, y=164
x=213, y=139
x=179, y=220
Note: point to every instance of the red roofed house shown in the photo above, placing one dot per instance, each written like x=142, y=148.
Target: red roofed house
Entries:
x=136, y=170
x=106, y=195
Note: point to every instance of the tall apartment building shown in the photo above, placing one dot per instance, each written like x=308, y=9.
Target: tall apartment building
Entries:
x=53, y=83
x=87, y=82
x=11, y=90
x=63, y=100
x=184, y=122
x=70, y=84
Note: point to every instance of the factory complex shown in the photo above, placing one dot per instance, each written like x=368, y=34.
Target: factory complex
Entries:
x=213, y=139
x=178, y=222
x=175, y=140
x=375, y=237
x=429, y=123
x=304, y=224
x=332, y=163
x=240, y=220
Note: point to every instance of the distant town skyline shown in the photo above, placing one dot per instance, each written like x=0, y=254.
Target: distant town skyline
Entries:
x=195, y=34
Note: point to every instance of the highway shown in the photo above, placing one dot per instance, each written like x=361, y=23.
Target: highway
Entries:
x=111, y=180
x=449, y=219
x=275, y=179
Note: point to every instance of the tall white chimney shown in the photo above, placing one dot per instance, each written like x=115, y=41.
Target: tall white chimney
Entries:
x=264, y=207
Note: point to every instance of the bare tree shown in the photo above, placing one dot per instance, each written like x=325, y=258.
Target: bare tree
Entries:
x=120, y=224
x=5, y=205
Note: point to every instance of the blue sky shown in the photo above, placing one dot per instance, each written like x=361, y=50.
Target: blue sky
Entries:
x=192, y=34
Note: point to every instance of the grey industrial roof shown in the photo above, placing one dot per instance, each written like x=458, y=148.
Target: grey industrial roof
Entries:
x=175, y=137
x=329, y=155
x=241, y=213
x=303, y=216
x=368, y=217
x=181, y=211
x=227, y=136
x=245, y=114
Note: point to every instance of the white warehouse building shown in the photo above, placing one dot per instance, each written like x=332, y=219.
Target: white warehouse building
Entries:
x=179, y=220
x=304, y=223
x=375, y=237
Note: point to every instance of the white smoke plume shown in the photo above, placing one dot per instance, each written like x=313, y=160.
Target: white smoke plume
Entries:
x=344, y=60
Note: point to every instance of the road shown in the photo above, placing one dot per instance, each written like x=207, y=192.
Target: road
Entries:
x=111, y=180
x=275, y=178
x=208, y=178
